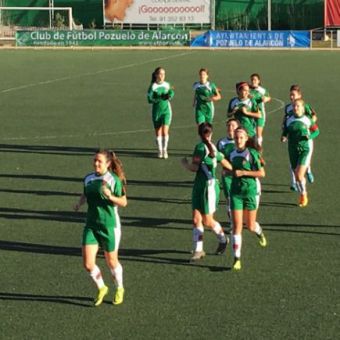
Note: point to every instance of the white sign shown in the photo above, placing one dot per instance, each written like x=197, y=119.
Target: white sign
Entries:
x=338, y=38
x=157, y=11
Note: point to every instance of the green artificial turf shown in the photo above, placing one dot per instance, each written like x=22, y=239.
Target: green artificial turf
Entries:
x=58, y=106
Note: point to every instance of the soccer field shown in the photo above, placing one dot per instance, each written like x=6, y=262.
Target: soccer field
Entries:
x=57, y=107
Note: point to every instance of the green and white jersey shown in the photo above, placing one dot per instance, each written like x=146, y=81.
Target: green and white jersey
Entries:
x=299, y=131
x=160, y=94
x=308, y=110
x=247, y=122
x=248, y=159
x=257, y=93
x=202, y=94
x=207, y=166
x=101, y=213
x=226, y=146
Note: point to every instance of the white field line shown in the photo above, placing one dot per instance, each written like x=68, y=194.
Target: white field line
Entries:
x=51, y=81
x=115, y=133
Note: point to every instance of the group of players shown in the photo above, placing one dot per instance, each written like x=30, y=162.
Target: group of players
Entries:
x=239, y=153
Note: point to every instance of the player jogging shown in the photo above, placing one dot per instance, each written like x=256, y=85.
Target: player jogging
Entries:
x=244, y=109
x=160, y=93
x=299, y=129
x=205, y=193
x=206, y=93
x=261, y=96
x=244, y=193
x=104, y=192
x=296, y=93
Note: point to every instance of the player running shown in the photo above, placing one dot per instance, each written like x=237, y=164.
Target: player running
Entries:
x=261, y=96
x=160, y=93
x=226, y=145
x=104, y=191
x=299, y=129
x=206, y=93
x=205, y=193
x=244, y=109
x=296, y=93
x=244, y=193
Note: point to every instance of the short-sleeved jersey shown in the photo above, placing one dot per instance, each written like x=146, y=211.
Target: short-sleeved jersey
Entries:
x=159, y=95
x=202, y=94
x=248, y=159
x=257, y=93
x=309, y=112
x=226, y=146
x=247, y=122
x=208, y=164
x=101, y=212
x=299, y=130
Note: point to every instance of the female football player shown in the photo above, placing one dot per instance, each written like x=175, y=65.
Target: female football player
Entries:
x=205, y=193
x=244, y=193
x=295, y=92
x=160, y=93
x=206, y=93
x=104, y=192
x=299, y=129
x=261, y=96
x=244, y=109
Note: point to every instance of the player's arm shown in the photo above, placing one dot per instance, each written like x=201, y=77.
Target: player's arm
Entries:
x=253, y=114
x=260, y=173
x=216, y=95
x=192, y=166
x=81, y=201
x=118, y=197
x=226, y=165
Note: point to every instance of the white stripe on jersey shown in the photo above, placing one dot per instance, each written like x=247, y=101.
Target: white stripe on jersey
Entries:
x=304, y=119
x=236, y=101
x=211, y=196
x=107, y=177
x=244, y=154
x=197, y=85
x=165, y=85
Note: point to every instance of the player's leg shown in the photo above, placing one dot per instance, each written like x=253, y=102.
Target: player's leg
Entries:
x=310, y=176
x=237, y=237
x=89, y=252
x=111, y=246
x=300, y=173
x=165, y=140
x=197, y=235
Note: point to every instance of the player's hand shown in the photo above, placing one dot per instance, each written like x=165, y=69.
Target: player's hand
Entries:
x=284, y=139
x=238, y=173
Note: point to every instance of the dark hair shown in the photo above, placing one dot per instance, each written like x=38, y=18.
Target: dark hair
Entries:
x=256, y=75
x=241, y=85
x=203, y=70
x=155, y=73
x=296, y=88
x=232, y=120
x=204, y=130
x=115, y=166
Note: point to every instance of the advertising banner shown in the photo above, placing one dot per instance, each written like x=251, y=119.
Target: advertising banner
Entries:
x=338, y=38
x=332, y=13
x=255, y=39
x=157, y=11
x=103, y=38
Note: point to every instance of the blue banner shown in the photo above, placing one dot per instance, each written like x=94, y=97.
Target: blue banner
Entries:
x=253, y=39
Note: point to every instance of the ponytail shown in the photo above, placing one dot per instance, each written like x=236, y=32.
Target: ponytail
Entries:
x=205, y=130
x=115, y=166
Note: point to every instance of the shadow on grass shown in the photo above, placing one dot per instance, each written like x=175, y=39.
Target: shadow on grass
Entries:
x=155, y=256
x=79, y=217
x=85, y=151
x=69, y=300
